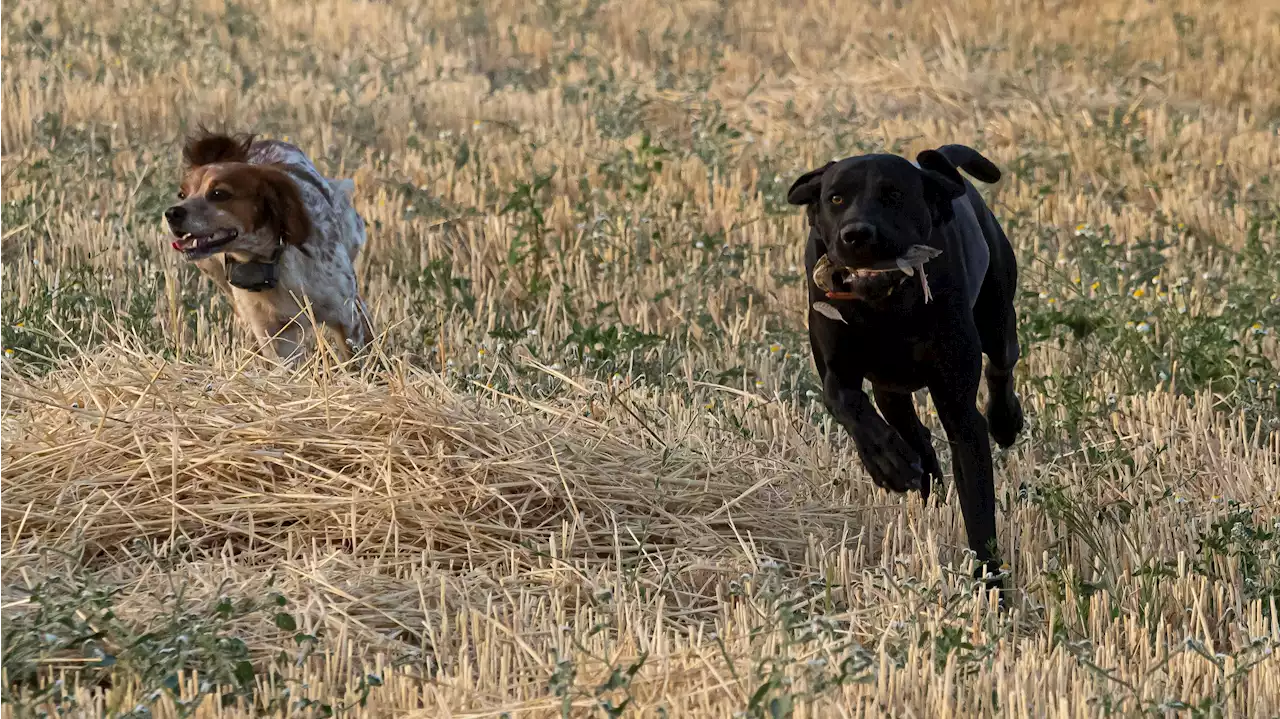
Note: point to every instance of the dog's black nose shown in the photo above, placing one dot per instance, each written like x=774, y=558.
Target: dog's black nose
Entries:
x=857, y=233
x=175, y=214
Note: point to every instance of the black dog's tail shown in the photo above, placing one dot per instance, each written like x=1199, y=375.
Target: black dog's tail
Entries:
x=972, y=162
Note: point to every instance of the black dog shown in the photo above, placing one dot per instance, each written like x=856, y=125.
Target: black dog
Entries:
x=866, y=212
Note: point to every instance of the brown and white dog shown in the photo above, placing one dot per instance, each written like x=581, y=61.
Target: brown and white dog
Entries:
x=274, y=235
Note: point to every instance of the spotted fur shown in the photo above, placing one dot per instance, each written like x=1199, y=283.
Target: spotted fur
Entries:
x=317, y=269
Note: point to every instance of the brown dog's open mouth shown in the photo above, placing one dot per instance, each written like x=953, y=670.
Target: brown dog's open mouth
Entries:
x=878, y=279
x=192, y=244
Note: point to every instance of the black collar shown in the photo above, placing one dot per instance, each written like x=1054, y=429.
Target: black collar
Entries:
x=255, y=276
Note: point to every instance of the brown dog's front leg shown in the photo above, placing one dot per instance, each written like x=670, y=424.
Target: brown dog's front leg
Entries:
x=288, y=343
x=887, y=457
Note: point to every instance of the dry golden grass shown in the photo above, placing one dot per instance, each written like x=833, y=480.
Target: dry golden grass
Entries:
x=586, y=465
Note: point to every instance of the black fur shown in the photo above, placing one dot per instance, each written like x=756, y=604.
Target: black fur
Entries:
x=869, y=209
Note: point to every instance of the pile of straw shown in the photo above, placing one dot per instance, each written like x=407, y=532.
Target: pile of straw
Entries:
x=253, y=466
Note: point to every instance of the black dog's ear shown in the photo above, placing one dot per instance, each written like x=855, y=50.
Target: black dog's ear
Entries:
x=804, y=191
x=942, y=182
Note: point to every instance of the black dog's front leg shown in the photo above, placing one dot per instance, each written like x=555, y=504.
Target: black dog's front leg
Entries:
x=974, y=477
x=899, y=411
x=886, y=456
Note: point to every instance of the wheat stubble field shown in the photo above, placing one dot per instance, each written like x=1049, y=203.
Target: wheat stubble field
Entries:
x=587, y=472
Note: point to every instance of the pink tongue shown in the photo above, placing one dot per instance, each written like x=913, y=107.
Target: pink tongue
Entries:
x=175, y=245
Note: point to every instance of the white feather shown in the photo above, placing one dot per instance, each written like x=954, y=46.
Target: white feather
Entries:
x=828, y=311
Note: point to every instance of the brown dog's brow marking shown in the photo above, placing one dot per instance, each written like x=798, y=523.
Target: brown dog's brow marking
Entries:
x=200, y=180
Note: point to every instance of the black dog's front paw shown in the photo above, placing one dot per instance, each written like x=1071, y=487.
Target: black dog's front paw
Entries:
x=890, y=461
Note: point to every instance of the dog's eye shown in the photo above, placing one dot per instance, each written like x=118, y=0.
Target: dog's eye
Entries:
x=182, y=195
x=219, y=195
x=837, y=200
x=893, y=195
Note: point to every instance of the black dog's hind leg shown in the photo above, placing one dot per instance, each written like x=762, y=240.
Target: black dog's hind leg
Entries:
x=997, y=324
x=900, y=412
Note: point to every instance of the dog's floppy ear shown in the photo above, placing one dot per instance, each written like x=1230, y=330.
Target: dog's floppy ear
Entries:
x=206, y=148
x=804, y=191
x=283, y=208
x=942, y=183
